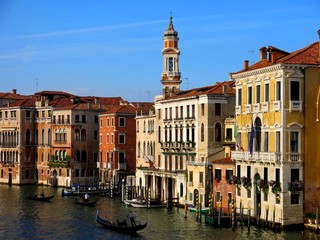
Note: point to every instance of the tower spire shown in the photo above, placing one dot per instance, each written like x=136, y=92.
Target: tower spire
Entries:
x=170, y=77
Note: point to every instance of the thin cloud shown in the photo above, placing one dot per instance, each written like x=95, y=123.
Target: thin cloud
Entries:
x=94, y=29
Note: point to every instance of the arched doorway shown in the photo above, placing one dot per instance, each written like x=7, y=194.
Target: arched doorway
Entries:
x=54, y=181
x=257, y=195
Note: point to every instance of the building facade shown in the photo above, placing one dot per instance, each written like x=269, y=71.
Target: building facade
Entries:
x=271, y=119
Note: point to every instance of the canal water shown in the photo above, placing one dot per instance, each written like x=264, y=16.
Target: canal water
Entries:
x=61, y=218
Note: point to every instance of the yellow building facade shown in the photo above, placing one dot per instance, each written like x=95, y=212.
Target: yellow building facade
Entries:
x=271, y=116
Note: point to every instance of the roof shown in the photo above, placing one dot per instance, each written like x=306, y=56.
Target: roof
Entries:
x=226, y=160
x=308, y=55
x=11, y=96
x=122, y=109
x=28, y=102
x=220, y=88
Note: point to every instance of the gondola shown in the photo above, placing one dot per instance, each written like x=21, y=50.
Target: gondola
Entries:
x=83, y=201
x=39, y=198
x=123, y=229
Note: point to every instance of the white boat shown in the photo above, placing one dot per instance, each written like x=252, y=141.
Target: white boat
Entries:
x=203, y=210
x=134, y=200
x=145, y=205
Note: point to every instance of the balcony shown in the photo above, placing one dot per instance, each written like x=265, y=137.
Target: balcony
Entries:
x=238, y=110
x=122, y=166
x=265, y=107
x=195, y=163
x=258, y=157
x=295, y=106
x=256, y=107
x=248, y=108
x=109, y=165
x=276, y=105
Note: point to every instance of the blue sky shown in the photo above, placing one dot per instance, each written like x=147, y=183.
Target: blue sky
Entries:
x=113, y=48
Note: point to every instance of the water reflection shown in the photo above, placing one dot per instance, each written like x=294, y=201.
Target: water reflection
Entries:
x=22, y=218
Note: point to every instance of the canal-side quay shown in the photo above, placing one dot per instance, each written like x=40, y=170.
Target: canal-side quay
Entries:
x=61, y=218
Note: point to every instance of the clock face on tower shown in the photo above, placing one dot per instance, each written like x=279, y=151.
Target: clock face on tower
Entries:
x=170, y=64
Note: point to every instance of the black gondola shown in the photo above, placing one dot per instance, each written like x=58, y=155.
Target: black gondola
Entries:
x=39, y=198
x=123, y=229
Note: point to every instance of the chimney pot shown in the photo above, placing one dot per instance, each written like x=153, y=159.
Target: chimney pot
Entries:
x=246, y=64
x=14, y=91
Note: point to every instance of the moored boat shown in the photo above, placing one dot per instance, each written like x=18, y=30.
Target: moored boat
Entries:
x=120, y=227
x=39, y=197
x=75, y=191
x=134, y=200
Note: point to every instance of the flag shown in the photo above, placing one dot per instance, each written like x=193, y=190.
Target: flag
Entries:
x=237, y=138
x=251, y=139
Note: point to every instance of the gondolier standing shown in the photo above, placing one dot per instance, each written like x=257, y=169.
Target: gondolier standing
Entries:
x=131, y=217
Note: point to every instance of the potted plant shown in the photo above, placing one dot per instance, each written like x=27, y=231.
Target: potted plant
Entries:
x=246, y=182
x=296, y=186
x=263, y=185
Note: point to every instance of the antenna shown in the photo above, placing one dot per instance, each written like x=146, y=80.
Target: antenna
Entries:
x=148, y=95
x=187, y=81
x=37, y=84
x=251, y=51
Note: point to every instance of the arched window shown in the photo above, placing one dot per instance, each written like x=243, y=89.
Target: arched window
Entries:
x=77, y=156
x=28, y=137
x=202, y=132
x=42, y=137
x=257, y=132
x=49, y=137
x=217, y=132
x=77, y=134
x=139, y=149
x=83, y=135
x=36, y=137
x=159, y=134
x=83, y=156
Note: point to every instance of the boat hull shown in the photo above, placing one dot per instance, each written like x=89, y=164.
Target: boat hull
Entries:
x=40, y=199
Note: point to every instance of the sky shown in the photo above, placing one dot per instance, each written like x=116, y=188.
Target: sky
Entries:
x=113, y=48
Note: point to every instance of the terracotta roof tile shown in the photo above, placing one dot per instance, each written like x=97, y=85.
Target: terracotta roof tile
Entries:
x=28, y=102
x=222, y=160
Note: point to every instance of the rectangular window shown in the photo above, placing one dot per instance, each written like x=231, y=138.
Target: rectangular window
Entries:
x=249, y=95
x=200, y=177
x=249, y=172
x=84, y=118
x=181, y=112
x=188, y=111
x=202, y=109
x=159, y=113
x=295, y=91
x=96, y=119
x=277, y=175
x=294, y=198
x=193, y=111
x=265, y=174
x=112, y=122
x=229, y=134
x=95, y=135
x=77, y=118
x=294, y=142
x=229, y=173
x=170, y=113
x=295, y=174
x=258, y=94
x=101, y=122
x=190, y=176
x=278, y=141
x=266, y=92
x=266, y=141
x=217, y=174
x=239, y=97
x=238, y=171
x=166, y=113
x=177, y=112
x=278, y=91
x=122, y=122
x=217, y=109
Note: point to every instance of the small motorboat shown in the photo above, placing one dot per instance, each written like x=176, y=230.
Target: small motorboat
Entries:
x=134, y=201
x=120, y=226
x=40, y=198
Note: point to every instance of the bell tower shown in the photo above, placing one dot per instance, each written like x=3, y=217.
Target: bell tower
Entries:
x=170, y=77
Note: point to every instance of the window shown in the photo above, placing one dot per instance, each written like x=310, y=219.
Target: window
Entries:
x=229, y=173
x=265, y=174
x=249, y=95
x=294, y=146
x=181, y=112
x=294, y=198
x=122, y=122
x=122, y=138
x=177, y=112
x=249, y=172
x=266, y=92
x=295, y=91
x=217, y=131
x=28, y=114
x=188, y=111
x=101, y=122
x=239, y=99
x=77, y=118
x=95, y=135
x=217, y=174
x=170, y=66
x=217, y=109
x=84, y=118
x=238, y=171
x=266, y=141
x=258, y=94
x=108, y=122
x=278, y=91
x=193, y=111
x=96, y=119
x=278, y=141
x=190, y=176
x=202, y=109
x=200, y=177
x=229, y=134
x=112, y=122
x=202, y=132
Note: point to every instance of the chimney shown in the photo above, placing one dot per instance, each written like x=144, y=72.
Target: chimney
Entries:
x=89, y=105
x=263, y=53
x=96, y=100
x=273, y=57
x=14, y=91
x=246, y=64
